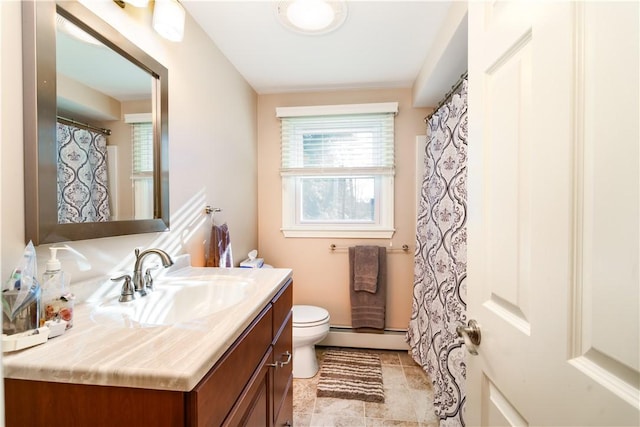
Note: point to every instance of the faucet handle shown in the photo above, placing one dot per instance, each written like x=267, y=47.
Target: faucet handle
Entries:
x=148, y=278
x=127, y=293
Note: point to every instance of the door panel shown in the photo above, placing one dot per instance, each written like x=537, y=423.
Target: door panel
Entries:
x=497, y=410
x=606, y=303
x=507, y=182
x=554, y=230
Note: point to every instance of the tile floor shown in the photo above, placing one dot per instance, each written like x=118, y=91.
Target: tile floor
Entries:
x=408, y=398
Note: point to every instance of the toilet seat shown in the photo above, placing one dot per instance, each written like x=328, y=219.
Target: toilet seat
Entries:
x=307, y=316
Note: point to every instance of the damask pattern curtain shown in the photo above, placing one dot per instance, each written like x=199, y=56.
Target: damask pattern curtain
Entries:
x=83, y=194
x=439, y=296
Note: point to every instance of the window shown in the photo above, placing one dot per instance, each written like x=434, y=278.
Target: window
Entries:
x=141, y=164
x=337, y=170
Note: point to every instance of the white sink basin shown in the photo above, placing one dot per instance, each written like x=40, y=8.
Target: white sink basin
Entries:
x=174, y=301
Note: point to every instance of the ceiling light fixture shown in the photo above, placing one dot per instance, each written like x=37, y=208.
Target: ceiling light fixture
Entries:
x=73, y=30
x=168, y=19
x=311, y=16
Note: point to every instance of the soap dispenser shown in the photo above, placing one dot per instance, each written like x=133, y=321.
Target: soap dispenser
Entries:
x=57, y=302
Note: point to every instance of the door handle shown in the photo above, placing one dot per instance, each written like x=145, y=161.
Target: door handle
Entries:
x=471, y=335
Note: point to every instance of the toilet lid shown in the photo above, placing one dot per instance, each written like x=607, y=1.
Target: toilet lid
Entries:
x=309, y=315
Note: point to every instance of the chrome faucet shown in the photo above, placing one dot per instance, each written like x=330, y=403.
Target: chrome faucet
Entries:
x=138, y=278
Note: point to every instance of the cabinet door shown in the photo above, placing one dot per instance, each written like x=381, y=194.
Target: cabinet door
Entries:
x=210, y=401
x=282, y=371
x=284, y=416
x=253, y=408
x=282, y=353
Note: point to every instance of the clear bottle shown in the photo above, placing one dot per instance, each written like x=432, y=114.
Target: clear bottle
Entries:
x=57, y=302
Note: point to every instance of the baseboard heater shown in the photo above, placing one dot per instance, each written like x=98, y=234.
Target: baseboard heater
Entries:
x=347, y=337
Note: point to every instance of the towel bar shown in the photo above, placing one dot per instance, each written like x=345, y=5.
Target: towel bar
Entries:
x=209, y=210
x=333, y=248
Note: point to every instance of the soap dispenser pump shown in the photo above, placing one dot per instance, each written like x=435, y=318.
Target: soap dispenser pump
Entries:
x=57, y=303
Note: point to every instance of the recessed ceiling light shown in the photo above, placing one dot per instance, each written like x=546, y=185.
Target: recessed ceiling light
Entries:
x=311, y=16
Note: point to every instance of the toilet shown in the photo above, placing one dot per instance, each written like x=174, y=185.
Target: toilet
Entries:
x=310, y=326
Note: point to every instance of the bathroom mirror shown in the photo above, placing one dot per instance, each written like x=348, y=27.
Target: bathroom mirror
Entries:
x=85, y=83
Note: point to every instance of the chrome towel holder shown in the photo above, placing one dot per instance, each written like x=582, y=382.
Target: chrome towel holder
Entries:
x=209, y=210
x=333, y=248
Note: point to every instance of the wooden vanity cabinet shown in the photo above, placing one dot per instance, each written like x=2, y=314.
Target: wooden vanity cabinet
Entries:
x=250, y=385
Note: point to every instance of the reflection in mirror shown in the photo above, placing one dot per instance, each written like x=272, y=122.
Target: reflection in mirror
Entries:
x=95, y=117
x=104, y=131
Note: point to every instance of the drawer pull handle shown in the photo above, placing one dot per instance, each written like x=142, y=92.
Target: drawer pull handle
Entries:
x=288, y=359
x=281, y=364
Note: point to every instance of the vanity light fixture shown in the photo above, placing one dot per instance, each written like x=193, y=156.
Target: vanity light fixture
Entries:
x=134, y=3
x=137, y=3
x=311, y=17
x=168, y=19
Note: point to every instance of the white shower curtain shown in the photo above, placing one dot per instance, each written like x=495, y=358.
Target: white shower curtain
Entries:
x=439, y=296
x=82, y=175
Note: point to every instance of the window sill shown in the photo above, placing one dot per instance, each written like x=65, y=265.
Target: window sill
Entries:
x=337, y=234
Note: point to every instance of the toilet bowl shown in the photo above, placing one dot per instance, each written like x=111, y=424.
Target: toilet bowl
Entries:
x=310, y=326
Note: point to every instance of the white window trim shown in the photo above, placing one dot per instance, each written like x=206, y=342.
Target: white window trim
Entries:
x=138, y=118
x=331, y=110
x=359, y=231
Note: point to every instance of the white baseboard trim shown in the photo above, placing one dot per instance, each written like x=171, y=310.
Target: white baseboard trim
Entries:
x=346, y=337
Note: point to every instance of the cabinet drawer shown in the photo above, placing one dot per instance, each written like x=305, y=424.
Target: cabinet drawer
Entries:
x=210, y=401
x=282, y=303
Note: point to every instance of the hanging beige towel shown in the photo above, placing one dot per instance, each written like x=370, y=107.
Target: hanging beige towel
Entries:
x=218, y=253
x=367, y=308
x=365, y=269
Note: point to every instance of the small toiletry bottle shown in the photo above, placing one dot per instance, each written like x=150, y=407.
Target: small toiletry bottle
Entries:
x=57, y=303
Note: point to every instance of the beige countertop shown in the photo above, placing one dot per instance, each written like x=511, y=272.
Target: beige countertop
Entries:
x=172, y=357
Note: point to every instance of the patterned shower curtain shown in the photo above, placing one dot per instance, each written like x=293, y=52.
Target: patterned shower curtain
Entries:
x=439, y=296
x=82, y=175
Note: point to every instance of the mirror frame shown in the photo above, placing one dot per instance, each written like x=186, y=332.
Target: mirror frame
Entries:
x=39, y=115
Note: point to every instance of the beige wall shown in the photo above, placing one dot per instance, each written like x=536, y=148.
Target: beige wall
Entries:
x=320, y=276
x=212, y=144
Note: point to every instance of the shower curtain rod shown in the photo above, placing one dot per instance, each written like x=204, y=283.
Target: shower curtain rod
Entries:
x=449, y=94
x=84, y=125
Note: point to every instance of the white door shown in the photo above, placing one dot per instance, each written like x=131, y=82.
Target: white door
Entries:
x=554, y=192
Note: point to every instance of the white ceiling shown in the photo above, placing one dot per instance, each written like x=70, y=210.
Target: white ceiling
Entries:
x=382, y=44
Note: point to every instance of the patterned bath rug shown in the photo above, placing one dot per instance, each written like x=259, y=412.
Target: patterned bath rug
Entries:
x=351, y=375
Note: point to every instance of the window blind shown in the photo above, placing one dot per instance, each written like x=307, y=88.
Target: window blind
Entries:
x=142, y=142
x=353, y=144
